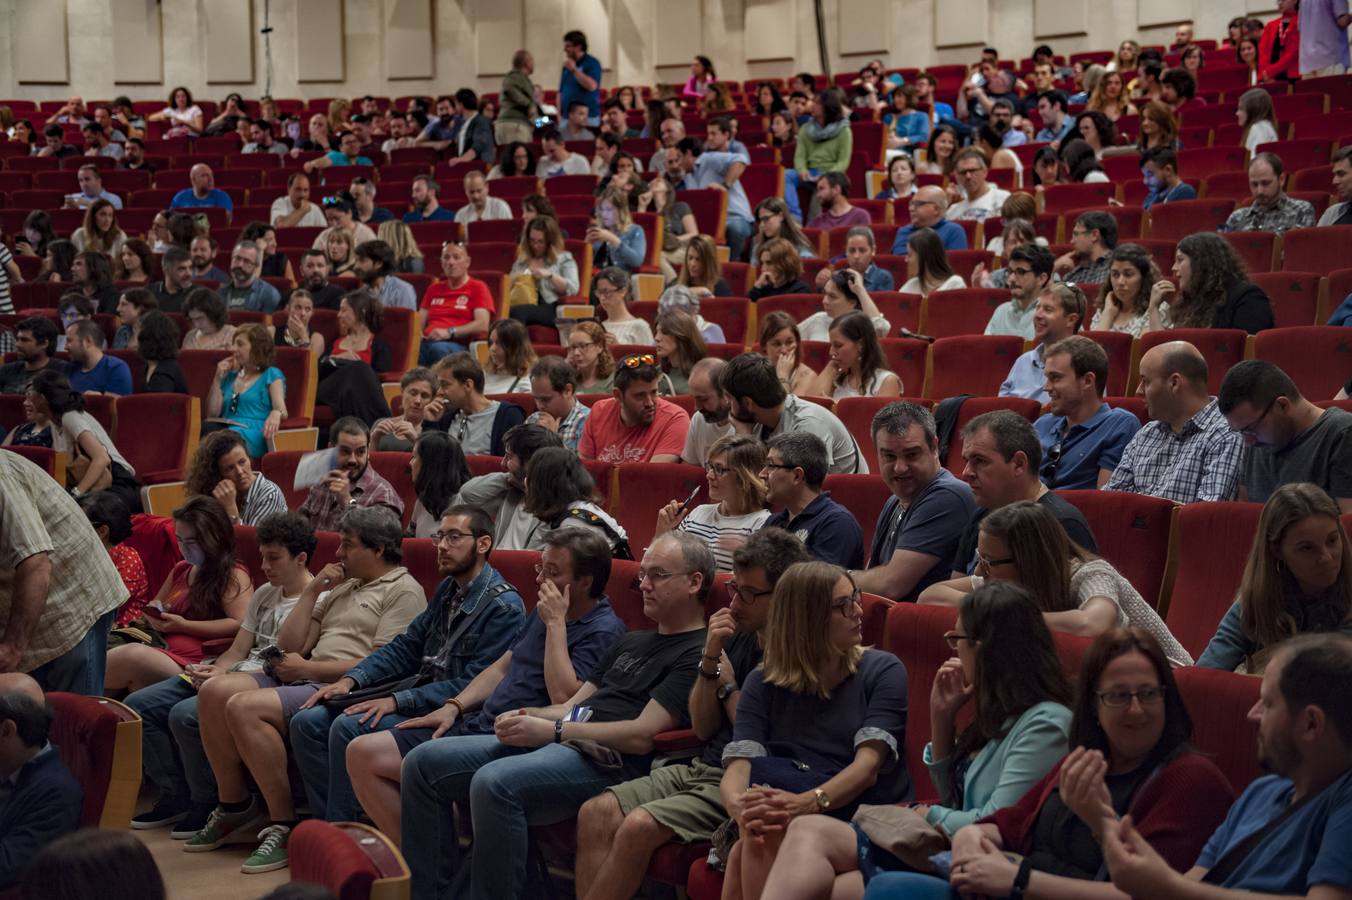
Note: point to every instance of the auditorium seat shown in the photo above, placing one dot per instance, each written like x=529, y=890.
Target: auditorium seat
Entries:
x=960, y=312
x=1059, y=198
x=420, y=558
x=1118, y=345
x=644, y=488
x=1317, y=249
x=279, y=467
x=1210, y=545
x=100, y=742
x=915, y=634
x=907, y=358
x=1317, y=357
x=1221, y=347
x=1132, y=532
x=970, y=364
x=45, y=458
x=863, y=495
x=1219, y=703
x=975, y=406
x=157, y=433
x=1258, y=249
x=393, y=466
x=899, y=309
x=1294, y=296
x=1175, y=221
x=350, y=860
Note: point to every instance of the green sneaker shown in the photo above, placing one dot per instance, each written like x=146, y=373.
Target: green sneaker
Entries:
x=224, y=828
x=271, y=854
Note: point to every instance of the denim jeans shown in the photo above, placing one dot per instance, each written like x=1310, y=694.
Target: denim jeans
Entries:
x=791, y=191
x=431, y=351
x=80, y=669
x=738, y=232
x=319, y=740
x=509, y=789
x=171, y=742
x=908, y=885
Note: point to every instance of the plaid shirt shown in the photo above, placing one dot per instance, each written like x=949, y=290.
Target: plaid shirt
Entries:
x=1199, y=463
x=1285, y=214
x=325, y=512
x=1091, y=273
x=38, y=516
x=570, y=429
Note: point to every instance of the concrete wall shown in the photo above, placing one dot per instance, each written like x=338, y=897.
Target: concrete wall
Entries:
x=206, y=44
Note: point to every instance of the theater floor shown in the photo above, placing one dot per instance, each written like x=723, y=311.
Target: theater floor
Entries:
x=207, y=876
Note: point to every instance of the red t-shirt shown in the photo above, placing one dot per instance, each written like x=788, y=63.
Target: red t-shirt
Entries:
x=449, y=307
x=606, y=438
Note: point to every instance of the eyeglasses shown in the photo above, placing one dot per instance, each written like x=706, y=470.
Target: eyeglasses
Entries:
x=449, y=537
x=846, y=605
x=540, y=570
x=953, y=638
x=716, y=470
x=745, y=594
x=770, y=465
x=654, y=575
x=1146, y=696
x=582, y=346
x=1252, y=428
x=639, y=359
x=1019, y=271
x=983, y=562
x=916, y=204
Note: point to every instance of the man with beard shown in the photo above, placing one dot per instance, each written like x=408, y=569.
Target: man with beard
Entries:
x=35, y=340
x=758, y=400
x=426, y=208
x=352, y=483
x=172, y=289
x=635, y=425
x=374, y=265
x=294, y=209
x=500, y=494
x=203, y=253
x=1286, y=835
x=474, y=618
x=552, y=385
x=314, y=273
x=246, y=289
x=712, y=409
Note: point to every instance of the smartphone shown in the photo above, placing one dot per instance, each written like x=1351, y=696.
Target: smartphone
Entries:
x=689, y=501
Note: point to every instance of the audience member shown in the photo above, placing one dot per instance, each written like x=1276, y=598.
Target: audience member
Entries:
x=1082, y=437
x=439, y=471
x=502, y=494
x=514, y=121
x=1057, y=315
x=738, y=495
x=779, y=271
x=927, y=266
x=857, y=367
x=157, y=347
x=90, y=180
x=202, y=249
x=553, y=385
x=120, y=864
x=94, y=462
x=860, y=250
x=612, y=289
x=1027, y=274
x=928, y=205
x=1092, y=238
x=836, y=210
x=678, y=299
x=294, y=209
x=1340, y=213
x=374, y=264
x=774, y=221
x=824, y=144
x=555, y=157
x=246, y=288
x=35, y=341
x=1272, y=209
x=794, y=470
x=100, y=231
x=352, y=482
x=221, y=469
x=635, y=425
x=455, y=310
x=972, y=196
x=477, y=423
x=709, y=422
x=1213, y=291
x=248, y=393
x=590, y=358
x=94, y=372
x=481, y=207
x=426, y=208
x=202, y=193
x=206, y=314
x=1125, y=304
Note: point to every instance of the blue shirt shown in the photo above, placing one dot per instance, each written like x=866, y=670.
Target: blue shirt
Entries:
x=186, y=199
x=338, y=159
x=711, y=168
x=1046, y=134
x=951, y=233
x=1309, y=848
x=1094, y=444
x=828, y=530
x=110, y=376
x=1180, y=191
x=941, y=111
x=1026, y=378
x=259, y=296
x=86, y=199
x=932, y=524
x=442, y=214
x=570, y=90
x=914, y=125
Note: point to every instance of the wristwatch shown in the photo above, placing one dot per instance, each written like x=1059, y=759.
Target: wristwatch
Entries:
x=558, y=731
x=712, y=676
x=725, y=691
x=823, y=800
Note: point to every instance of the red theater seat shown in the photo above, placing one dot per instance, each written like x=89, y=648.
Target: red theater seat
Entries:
x=971, y=364
x=1294, y=296
x=1175, y=221
x=157, y=433
x=1316, y=249
x=1218, y=703
x=1212, y=543
x=863, y=495
x=1221, y=347
x=352, y=861
x=1318, y=357
x=975, y=406
x=100, y=742
x=1132, y=532
x=644, y=488
x=960, y=312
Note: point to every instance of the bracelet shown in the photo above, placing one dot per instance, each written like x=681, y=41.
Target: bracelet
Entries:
x=1021, y=880
x=457, y=704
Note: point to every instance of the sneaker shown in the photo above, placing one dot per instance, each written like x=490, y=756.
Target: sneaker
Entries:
x=224, y=828
x=166, y=811
x=193, y=821
x=271, y=854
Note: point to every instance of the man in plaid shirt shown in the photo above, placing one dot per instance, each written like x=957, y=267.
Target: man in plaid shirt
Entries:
x=1273, y=209
x=1187, y=453
x=552, y=383
x=352, y=482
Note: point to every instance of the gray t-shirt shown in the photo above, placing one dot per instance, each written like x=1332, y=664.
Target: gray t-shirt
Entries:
x=843, y=454
x=264, y=616
x=1321, y=454
x=700, y=436
x=475, y=432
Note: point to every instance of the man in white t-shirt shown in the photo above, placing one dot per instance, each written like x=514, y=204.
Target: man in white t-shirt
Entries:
x=712, y=408
x=481, y=207
x=556, y=160
x=972, y=196
x=294, y=210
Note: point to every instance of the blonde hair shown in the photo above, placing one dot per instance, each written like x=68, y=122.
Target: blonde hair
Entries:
x=703, y=245
x=605, y=363
x=615, y=196
x=348, y=259
x=797, y=644
x=745, y=459
x=400, y=238
x=335, y=118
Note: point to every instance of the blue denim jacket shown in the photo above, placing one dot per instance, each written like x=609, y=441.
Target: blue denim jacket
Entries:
x=492, y=634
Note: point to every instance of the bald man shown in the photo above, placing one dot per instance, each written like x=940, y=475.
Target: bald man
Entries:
x=203, y=191
x=929, y=204
x=1187, y=452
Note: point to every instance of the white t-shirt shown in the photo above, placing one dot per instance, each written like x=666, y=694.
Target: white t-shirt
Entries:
x=266, y=613
x=74, y=424
x=817, y=327
x=700, y=436
x=494, y=208
x=505, y=383
x=475, y=432
x=636, y=331
x=723, y=534
x=1261, y=133
x=954, y=282
x=988, y=204
x=575, y=164
x=283, y=206
x=875, y=384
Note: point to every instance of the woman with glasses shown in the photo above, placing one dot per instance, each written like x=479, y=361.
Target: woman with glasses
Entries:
x=773, y=221
x=611, y=288
x=1006, y=667
x=221, y=469
x=857, y=367
x=248, y=393
x=782, y=343
x=738, y=495
x=1131, y=733
x=439, y=469
x=1077, y=592
x=561, y=492
x=678, y=345
x=590, y=359
x=1298, y=580
x=819, y=728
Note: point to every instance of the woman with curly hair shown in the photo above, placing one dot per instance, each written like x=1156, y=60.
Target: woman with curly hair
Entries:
x=514, y=160
x=1097, y=130
x=1214, y=290
x=1126, y=306
x=738, y=496
x=510, y=357
x=768, y=100
x=678, y=346
x=590, y=358
x=99, y=232
x=221, y=469
x=941, y=152
x=206, y=314
x=560, y=492
x=157, y=345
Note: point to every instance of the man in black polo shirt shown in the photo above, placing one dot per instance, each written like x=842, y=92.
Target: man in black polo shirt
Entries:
x=795, y=467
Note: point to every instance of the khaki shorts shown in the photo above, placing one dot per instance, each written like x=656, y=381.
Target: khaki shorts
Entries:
x=683, y=798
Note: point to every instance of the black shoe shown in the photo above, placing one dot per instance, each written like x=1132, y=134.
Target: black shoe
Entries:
x=164, y=812
x=193, y=821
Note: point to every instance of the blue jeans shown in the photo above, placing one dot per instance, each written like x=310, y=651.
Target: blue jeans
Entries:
x=509, y=789
x=80, y=669
x=159, y=759
x=791, y=191
x=319, y=740
x=431, y=351
x=738, y=233
x=908, y=886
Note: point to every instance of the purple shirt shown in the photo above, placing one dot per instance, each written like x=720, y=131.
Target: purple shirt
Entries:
x=1322, y=42
x=855, y=216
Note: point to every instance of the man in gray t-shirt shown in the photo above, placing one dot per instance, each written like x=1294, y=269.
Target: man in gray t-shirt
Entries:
x=1289, y=438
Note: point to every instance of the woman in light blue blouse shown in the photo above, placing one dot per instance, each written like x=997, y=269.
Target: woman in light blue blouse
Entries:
x=907, y=126
x=1006, y=665
x=616, y=239
x=248, y=393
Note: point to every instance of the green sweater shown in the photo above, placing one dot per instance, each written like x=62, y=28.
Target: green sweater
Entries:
x=831, y=155
x=517, y=97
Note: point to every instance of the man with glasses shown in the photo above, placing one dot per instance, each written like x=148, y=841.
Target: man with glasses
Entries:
x=541, y=764
x=1027, y=273
x=620, y=829
x=1082, y=437
x=454, y=311
x=471, y=622
x=712, y=408
x=1092, y=239
x=928, y=206
x=635, y=425
x=795, y=468
x=973, y=197
x=246, y=290
x=1289, y=438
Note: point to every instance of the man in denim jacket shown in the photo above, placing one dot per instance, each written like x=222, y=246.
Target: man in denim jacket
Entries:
x=471, y=620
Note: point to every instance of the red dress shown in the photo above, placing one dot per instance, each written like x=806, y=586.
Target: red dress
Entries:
x=133, y=572
x=185, y=649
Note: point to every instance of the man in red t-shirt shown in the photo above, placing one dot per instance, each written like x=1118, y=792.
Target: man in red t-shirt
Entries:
x=454, y=311
x=635, y=425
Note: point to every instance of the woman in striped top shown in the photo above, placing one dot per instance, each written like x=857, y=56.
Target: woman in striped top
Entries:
x=738, y=496
x=221, y=468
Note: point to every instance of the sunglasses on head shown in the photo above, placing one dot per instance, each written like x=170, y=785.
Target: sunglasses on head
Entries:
x=638, y=359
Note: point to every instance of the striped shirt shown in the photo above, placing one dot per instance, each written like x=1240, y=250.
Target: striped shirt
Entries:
x=723, y=534
x=570, y=429
x=6, y=260
x=263, y=499
x=1197, y=464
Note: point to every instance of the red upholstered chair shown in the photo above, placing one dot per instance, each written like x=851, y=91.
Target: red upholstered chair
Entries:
x=960, y=312
x=863, y=495
x=393, y=467
x=279, y=467
x=1218, y=702
x=1256, y=248
x=483, y=465
x=1317, y=249
x=1062, y=197
x=625, y=597
x=518, y=569
x=975, y=406
x=800, y=306
x=1221, y=347
x=857, y=414
x=1300, y=153
x=915, y=634
x=199, y=367
x=1210, y=546
x=1175, y=221
x=970, y=364
x=353, y=861
x=1134, y=405
x=1294, y=296
x=1203, y=161
x=907, y=357
x=900, y=310
x=157, y=433
x=247, y=552
x=1132, y=532
x=729, y=313
x=45, y=458
x=1118, y=346
x=1317, y=357
x=646, y=487
x=100, y=742
x=420, y=558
